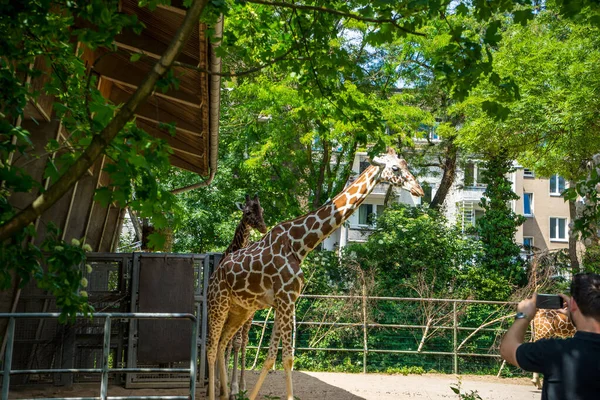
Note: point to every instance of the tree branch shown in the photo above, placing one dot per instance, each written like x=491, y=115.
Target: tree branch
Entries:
x=103, y=139
x=335, y=12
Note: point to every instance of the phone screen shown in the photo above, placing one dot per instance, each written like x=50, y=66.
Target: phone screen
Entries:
x=552, y=301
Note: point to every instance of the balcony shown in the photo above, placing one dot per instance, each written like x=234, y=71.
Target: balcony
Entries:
x=471, y=193
x=359, y=233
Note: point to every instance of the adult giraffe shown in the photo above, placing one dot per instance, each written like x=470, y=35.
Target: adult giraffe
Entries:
x=549, y=324
x=267, y=273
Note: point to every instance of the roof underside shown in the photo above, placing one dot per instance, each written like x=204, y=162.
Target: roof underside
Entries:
x=188, y=107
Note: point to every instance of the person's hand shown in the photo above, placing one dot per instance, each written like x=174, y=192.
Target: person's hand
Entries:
x=528, y=307
x=566, y=302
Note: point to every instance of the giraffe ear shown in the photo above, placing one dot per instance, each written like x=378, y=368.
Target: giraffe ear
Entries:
x=391, y=151
x=239, y=206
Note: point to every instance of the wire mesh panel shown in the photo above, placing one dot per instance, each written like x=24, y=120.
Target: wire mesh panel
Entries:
x=202, y=267
x=112, y=287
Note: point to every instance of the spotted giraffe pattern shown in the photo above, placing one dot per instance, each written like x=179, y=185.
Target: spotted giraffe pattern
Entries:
x=267, y=273
x=252, y=218
x=549, y=324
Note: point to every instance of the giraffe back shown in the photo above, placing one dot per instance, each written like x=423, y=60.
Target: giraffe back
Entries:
x=551, y=324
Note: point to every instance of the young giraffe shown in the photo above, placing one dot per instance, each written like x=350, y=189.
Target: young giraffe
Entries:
x=267, y=273
x=252, y=218
x=549, y=324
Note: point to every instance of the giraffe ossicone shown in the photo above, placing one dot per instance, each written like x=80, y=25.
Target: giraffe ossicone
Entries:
x=267, y=273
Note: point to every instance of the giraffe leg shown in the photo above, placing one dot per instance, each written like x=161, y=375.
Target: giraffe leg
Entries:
x=287, y=354
x=271, y=356
x=228, y=353
x=232, y=325
x=217, y=316
x=245, y=331
x=236, y=342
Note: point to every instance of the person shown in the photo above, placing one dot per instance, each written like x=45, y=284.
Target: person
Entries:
x=571, y=367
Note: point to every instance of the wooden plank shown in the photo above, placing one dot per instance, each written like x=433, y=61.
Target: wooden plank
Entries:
x=159, y=109
x=117, y=68
x=129, y=40
x=161, y=25
x=190, y=144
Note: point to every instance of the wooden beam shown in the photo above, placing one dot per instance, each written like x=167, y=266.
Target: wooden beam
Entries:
x=163, y=110
x=128, y=40
x=195, y=149
x=116, y=68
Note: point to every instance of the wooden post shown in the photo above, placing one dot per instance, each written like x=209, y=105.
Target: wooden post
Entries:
x=364, y=310
x=455, y=338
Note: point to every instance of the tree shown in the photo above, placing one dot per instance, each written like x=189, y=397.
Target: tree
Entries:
x=497, y=227
x=313, y=40
x=414, y=244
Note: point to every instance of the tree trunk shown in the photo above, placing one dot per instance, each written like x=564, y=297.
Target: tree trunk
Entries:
x=448, y=176
x=572, y=240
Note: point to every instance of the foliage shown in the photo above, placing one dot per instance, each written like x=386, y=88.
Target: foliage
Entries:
x=472, y=395
x=551, y=127
x=497, y=227
x=57, y=268
x=413, y=241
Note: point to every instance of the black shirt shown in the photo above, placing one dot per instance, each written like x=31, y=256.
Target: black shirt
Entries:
x=571, y=367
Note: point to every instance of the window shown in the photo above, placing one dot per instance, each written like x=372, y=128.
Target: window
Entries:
x=528, y=204
x=557, y=185
x=474, y=174
x=365, y=212
x=558, y=229
x=528, y=243
x=527, y=173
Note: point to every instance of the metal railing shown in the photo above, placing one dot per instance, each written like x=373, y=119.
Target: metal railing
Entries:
x=105, y=369
x=365, y=325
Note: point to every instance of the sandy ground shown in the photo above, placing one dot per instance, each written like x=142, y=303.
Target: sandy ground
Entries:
x=332, y=386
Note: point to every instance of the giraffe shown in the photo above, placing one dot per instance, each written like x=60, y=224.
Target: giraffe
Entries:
x=549, y=324
x=267, y=273
x=252, y=218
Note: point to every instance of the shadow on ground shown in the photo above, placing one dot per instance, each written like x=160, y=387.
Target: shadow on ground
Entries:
x=306, y=387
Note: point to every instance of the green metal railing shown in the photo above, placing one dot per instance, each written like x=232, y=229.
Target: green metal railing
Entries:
x=104, y=370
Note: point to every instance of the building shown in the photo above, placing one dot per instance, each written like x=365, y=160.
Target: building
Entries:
x=546, y=226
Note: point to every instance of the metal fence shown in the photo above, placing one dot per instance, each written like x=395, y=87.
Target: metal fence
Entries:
x=105, y=369
x=434, y=327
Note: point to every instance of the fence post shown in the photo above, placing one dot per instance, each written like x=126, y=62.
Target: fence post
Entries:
x=10, y=338
x=455, y=337
x=105, y=352
x=364, y=310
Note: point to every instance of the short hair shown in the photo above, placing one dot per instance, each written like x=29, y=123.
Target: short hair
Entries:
x=585, y=289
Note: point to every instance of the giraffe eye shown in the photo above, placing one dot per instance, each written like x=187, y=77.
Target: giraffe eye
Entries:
x=395, y=168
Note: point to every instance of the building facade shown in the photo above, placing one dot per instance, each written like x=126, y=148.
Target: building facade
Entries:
x=540, y=201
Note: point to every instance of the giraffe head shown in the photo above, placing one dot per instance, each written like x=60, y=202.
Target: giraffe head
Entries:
x=395, y=171
x=253, y=213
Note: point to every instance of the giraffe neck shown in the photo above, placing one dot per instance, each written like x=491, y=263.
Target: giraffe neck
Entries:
x=308, y=231
x=240, y=238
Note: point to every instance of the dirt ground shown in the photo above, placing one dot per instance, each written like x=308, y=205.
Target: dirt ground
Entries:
x=331, y=386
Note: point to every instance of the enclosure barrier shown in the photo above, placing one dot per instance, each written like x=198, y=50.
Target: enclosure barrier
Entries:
x=365, y=325
x=104, y=370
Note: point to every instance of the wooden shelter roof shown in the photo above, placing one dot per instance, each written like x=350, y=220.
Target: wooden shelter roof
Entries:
x=193, y=107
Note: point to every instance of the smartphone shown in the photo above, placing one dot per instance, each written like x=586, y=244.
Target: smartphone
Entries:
x=552, y=301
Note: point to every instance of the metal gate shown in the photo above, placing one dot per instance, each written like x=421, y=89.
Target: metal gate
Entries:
x=42, y=343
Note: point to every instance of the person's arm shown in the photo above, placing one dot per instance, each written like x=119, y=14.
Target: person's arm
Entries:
x=515, y=335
